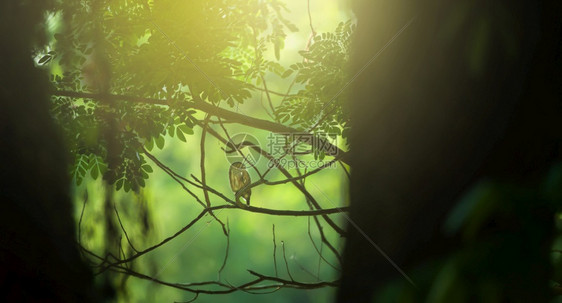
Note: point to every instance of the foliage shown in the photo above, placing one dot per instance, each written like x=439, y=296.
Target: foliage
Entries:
x=323, y=74
x=128, y=76
x=178, y=52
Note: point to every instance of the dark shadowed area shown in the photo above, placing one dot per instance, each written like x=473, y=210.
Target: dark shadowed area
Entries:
x=464, y=104
x=39, y=260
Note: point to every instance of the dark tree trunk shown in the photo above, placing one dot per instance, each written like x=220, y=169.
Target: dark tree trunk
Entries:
x=39, y=260
x=469, y=89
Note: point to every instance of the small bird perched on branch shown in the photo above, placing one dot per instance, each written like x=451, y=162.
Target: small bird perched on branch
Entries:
x=239, y=180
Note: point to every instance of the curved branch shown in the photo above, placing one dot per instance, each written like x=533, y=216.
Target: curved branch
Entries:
x=301, y=188
x=248, y=286
x=231, y=116
x=267, y=211
x=271, y=92
x=303, y=176
x=260, y=210
x=186, y=227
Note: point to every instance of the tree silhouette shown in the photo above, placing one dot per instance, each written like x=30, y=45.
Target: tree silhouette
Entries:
x=467, y=99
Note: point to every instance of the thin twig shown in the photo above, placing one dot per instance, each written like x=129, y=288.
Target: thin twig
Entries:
x=306, y=270
x=271, y=92
x=81, y=215
x=264, y=108
x=275, y=252
x=202, y=162
x=274, y=212
x=238, y=150
x=267, y=95
x=319, y=251
x=172, y=174
x=123, y=228
x=286, y=263
x=193, y=299
x=302, y=189
x=248, y=286
x=345, y=170
x=325, y=240
x=227, y=249
x=143, y=252
x=313, y=32
x=321, y=257
x=203, y=173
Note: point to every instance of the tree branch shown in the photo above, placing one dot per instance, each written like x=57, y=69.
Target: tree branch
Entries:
x=231, y=116
x=272, y=92
x=301, y=188
x=276, y=212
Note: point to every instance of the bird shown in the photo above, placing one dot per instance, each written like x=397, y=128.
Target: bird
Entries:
x=239, y=180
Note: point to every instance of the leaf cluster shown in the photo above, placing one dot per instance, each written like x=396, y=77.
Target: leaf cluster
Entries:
x=186, y=51
x=323, y=73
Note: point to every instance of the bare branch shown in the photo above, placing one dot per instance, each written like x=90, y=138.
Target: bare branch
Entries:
x=286, y=263
x=295, y=283
x=267, y=94
x=319, y=251
x=303, y=176
x=206, y=210
x=274, y=252
x=301, y=188
x=202, y=162
x=186, y=227
x=272, y=92
x=172, y=174
x=248, y=286
x=227, y=249
x=203, y=173
x=123, y=229
x=239, y=150
x=81, y=215
x=193, y=299
x=345, y=170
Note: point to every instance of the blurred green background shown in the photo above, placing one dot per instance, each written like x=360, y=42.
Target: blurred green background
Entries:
x=162, y=207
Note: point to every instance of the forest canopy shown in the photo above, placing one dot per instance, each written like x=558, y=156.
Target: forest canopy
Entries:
x=157, y=99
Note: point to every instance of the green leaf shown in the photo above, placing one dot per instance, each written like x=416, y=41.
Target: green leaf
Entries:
x=160, y=142
x=94, y=172
x=189, y=122
x=149, y=144
x=287, y=73
x=277, y=48
x=186, y=129
x=147, y=168
x=102, y=167
x=171, y=129
x=45, y=59
x=119, y=184
x=181, y=135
